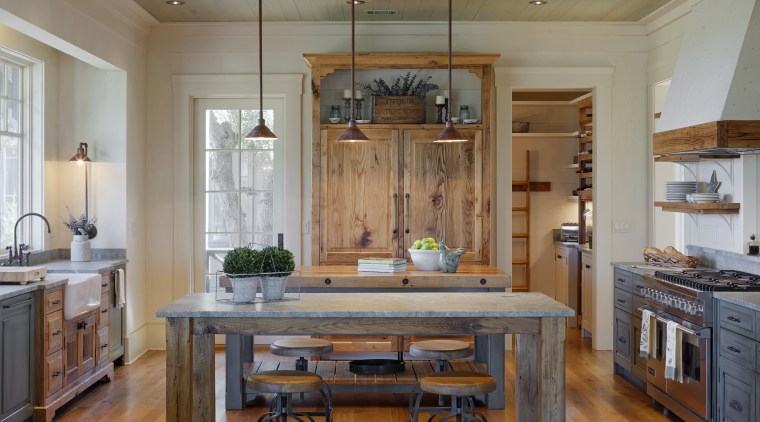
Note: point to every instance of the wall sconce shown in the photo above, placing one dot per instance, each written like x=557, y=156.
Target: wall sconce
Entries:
x=81, y=159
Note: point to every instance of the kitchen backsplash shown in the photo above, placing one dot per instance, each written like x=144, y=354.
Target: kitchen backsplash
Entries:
x=720, y=259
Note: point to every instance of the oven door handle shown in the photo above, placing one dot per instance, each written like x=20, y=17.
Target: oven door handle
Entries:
x=701, y=333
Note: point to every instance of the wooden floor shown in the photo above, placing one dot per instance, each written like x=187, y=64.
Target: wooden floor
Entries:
x=593, y=394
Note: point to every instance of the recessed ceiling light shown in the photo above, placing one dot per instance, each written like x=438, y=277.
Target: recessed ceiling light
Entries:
x=537, y=2
x=175, y=2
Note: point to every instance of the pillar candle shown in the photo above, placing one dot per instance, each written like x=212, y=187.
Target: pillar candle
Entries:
x=358, y=95
x=440, y=99
x=346, y=93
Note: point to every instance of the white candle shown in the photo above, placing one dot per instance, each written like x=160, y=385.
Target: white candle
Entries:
x=346, y=93
x=440, y=99
x=358, y=95
x=446, y=93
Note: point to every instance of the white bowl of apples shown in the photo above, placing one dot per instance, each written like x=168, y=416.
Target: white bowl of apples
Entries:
x=425, y=254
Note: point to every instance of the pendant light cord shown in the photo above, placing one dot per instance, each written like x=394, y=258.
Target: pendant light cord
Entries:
x=451, y=91
x=353, y=56
x=261, y=67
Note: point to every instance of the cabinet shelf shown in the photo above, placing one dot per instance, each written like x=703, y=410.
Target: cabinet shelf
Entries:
x=572, y=166
x=585, y=175
x=585, y=195
x=544, y=135
x=692, y=158
x=572, y=198
x=709, y=208
x=585, y=158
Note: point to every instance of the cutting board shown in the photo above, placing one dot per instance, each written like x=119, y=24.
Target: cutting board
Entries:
x=21, y=275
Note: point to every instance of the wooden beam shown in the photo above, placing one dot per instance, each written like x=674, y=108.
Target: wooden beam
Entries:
x=720, y=134
x=534, y=186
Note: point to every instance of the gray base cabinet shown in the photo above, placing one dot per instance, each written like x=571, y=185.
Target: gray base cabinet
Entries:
x=738, y=343
x=115, y=322
x=627, y=328
x=17, y=347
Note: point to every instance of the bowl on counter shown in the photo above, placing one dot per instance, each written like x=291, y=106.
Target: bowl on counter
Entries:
x=425, y=259
x=334, y=120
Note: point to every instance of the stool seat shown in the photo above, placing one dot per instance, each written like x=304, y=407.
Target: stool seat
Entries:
x=285, y=381
x=458, y=383
x=300, y=346
x=441, y=349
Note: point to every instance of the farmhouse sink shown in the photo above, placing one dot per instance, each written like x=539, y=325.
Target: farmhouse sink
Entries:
x=81, y=294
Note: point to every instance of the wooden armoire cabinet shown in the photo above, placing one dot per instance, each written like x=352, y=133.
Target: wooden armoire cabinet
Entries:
x=374, y=199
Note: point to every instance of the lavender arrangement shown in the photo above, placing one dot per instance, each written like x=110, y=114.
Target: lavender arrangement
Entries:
x=81, y=225
x=408, y=85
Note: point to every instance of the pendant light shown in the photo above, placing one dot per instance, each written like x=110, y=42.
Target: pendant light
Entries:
x=449, y=134
x=261, y=131
x=352, y=132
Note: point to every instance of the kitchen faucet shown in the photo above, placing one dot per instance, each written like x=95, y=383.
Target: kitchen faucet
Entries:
x=16, y=253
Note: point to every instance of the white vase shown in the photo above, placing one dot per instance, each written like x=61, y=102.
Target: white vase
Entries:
x=80, y=248
x=244, y=289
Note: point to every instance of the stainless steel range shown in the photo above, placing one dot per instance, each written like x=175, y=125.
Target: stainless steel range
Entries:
x=686, y=298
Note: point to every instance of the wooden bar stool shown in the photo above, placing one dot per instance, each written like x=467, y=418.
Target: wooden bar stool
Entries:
x=283, y=384
x=442, y=351
x=300, y=347
x=461, y=386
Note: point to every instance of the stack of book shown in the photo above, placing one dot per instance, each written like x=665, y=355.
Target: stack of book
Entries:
x=382, y=265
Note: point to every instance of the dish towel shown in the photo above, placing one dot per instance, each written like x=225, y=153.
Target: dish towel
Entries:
x=646, y=342
x=673, y=365
x=120, y=287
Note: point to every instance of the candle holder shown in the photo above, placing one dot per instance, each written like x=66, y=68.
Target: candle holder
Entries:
x=347, y=109
x=445, y=111
x=439, y=113
x=358, y=102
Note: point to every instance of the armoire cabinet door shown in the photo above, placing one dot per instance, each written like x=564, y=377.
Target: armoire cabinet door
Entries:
x=359, y=216
x=445, y=187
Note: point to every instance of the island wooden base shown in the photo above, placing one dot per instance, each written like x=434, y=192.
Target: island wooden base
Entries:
x=45, y=413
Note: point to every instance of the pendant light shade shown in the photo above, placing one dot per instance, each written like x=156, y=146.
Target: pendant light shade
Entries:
x=352, y=132
x=261, y=131
x=81, y=155
x=449, y=134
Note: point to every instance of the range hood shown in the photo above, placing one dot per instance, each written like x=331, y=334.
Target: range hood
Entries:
x=713, y=104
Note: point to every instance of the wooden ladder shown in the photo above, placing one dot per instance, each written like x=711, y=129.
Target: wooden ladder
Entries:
x=527, y=187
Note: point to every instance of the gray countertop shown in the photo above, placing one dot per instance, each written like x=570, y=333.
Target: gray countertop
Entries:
x=644, y=268
x=62, y=266
x=749, y=300
x=386, y=305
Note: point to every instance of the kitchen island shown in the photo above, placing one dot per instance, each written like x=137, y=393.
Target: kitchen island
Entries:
x=489, y=350
x=538, y=321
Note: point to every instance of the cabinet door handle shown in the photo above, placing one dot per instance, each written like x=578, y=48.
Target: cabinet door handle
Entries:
x=56, y=302
x=622, y=339
x=56, y=374
x=103, y=346
x=734, y=319
x=406, y=212
x=104, y=311
x=735, y=405
x=395, y=213
x=588, y=266
x=559, y=256
x=57, y=333
x=104, y=285
x=733, y=349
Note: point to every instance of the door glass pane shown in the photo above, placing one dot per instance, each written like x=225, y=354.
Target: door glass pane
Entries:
x=239, y=185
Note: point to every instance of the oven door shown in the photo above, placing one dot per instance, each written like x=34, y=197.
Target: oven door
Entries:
x=694, y=391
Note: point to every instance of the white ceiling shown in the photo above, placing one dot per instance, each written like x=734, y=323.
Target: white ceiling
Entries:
x=408, y=10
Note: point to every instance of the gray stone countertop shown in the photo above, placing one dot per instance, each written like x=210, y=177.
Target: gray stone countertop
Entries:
x=573, y=244
x=102, y=266
x=749, y=300
x=62, y=266
x=645, y=268
x=386, y=305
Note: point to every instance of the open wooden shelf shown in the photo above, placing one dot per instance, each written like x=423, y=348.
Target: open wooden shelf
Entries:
x=585, y=195
x=692, y=158
x=572, y=198
x=585, y=157
x=543, y=134
x=585, y=175
x=709, y=208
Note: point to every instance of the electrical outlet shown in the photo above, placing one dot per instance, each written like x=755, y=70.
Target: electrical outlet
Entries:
x=305, y=227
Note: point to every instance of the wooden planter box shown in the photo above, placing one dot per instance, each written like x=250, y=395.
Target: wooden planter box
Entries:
x=405, y=109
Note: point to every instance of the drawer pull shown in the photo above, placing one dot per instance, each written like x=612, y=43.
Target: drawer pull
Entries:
x=56, y=302
x=328, y=281
x=103, y=346
x=621, y=301
x=559, y=256
x=622, y=339
x=588, y=266
x=57, y=333
x=732, y=349
x=104, y=285
x=56, y=374
x=734, y=319
x=622, y=280
x=483, y=281
x=82, y=325
x=104, y=311
x=735, y=405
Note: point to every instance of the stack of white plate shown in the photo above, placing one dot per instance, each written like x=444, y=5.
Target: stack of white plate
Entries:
x=703, y=198
x=677, y=191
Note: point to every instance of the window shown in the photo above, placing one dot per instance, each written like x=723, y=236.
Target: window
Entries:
x=21, y=161
x=243, y=180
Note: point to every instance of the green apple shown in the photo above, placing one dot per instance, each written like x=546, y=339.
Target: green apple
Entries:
x=427, y=246
x=417, y=244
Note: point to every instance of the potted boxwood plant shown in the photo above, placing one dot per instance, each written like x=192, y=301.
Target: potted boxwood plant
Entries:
x=243, y=265
x=277, y=264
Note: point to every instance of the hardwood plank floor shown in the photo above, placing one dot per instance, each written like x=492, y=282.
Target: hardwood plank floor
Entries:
x=593, y=394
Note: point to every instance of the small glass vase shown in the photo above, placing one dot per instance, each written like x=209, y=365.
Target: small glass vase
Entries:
x=80, y=248
x=464, y=113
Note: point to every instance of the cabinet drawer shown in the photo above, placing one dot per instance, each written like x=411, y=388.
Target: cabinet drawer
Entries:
x=103, y=311
x=103, y=350
x=53, y=332
x=54, y=300
x=736, y=318
x=623, y=300
x=105, y=283
x=637, y=283
x=623, y=280
x=53, y=373
x=738, y=349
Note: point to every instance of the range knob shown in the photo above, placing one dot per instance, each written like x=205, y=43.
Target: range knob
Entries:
x=692, y=309
x=700, y=309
